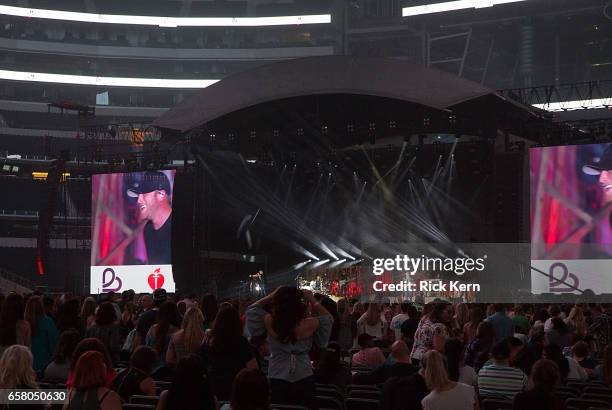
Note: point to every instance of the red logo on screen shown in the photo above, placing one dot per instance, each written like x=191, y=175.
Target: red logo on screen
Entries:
x=156, y=279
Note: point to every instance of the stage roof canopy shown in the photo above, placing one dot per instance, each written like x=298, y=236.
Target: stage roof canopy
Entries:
x=379, y=77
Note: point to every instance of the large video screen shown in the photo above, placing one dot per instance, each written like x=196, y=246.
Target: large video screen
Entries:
x=131, y=232
x=571, y=235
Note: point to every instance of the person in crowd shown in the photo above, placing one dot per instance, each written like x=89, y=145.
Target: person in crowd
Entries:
x=523, y=356
x=136, y=379
x=502, y=324
x=89, y=391
x=332, y=308
x=410, y=325
x=331, y=369
x=250, y=391
x=554, y=312
x=432, y=331
x=576, y=371
x=445, y=393
x=149, y=315
x=158, y=337
x=188, y=339
x=43, y=330
x=470, y=328
x=498, y=379
x=128, y=319
x=59, y=367
x=190, y=389
x=291, y=335
x=16, y=369
x=373, y=322
x=13, y=328
x=462, y=316
x=226, y=351
x=554, y=353
x=455, y=365
x=543, y=381
x=49, y=307
x=401, y=367
x=558, y=333
x=582, y=355
x=16, y=373
x=539, y=318
x=88, y=312
x=576, y=321
x=209, y=307
x=86, y=345
x=369, y=356
x=603, y=371
x=520, y=321
x=477, y=352
x=399, y=319
x=68, y=316
x=347, y=325
x=601, y=328
x=106, y=330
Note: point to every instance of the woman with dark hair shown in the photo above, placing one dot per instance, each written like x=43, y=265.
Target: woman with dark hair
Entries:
x=250, y=391
x=347, y=325
x=106, y=330
x=189, y=390
x=540, y=317
x=477, y=352
x=543, y=381
x=158, y=336
x=554, y=353
x=432, y=331
x=86, y=345
x=470, y=328
x=226, y=351
x=209, y=308
x=13, y=328
x=558, y=334
x=457, y=370
x=68, y=316
x=291, y=335
x=331, y=369
x=89, y=389
x=44, y=332
x=137, y=379
x=59, y=368
x=603, y=371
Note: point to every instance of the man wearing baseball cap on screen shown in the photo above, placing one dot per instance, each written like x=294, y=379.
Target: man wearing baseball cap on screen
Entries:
x=154, y=206
x=603, y=169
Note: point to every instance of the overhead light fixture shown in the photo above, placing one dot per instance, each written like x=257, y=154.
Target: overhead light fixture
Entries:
x=162, y=21
x=104, y=81
x=576, y=105
x=453, y=6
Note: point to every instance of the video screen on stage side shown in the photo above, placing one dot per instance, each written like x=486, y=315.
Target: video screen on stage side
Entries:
x=132, y=231
x=571, y=234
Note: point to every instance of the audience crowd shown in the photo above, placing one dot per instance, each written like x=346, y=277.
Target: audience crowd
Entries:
x=293, y=347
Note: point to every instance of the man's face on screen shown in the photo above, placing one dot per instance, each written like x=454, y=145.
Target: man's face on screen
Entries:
x=148, y=204
x=605, y=181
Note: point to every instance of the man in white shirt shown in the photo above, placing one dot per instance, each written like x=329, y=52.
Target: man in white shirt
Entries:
x=396, y=322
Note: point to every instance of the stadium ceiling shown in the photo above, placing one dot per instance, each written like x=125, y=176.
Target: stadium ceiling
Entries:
x=163, y=21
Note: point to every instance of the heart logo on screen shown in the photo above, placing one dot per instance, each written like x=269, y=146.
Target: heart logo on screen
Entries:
x=156, y=279
x=110, y=281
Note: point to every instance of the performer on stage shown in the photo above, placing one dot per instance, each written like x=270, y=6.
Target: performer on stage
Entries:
x=258, y=288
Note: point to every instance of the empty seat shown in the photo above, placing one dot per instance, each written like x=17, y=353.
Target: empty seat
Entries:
x=365, y=394
x=354, y=403
x=329, y=402
x=361, y=387
x=496, y=404
x=584, y=404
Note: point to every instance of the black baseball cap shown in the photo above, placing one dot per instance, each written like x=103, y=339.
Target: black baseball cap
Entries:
x=604, y=163
x=149, y=181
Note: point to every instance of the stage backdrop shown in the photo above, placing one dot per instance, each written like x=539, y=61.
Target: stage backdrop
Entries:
x=571, y=235
x=131, y=245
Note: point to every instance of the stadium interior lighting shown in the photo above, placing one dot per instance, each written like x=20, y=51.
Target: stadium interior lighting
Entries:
x=162, y=21
x=104, y=81
x=576, y=105
x=453, y=6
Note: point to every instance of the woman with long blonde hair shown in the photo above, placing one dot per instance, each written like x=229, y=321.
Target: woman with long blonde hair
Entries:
x=373, y=322
x=576, y=321
x=445, y=393
x=16, y=370
x=189, y=338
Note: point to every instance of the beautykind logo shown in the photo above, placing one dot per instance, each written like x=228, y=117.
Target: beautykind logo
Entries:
x=409, y=265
